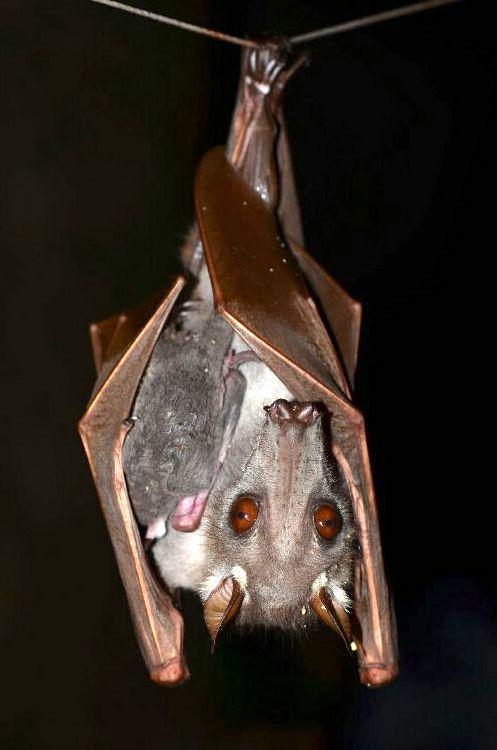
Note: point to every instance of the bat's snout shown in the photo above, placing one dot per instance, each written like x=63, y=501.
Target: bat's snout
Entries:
x=299, y=413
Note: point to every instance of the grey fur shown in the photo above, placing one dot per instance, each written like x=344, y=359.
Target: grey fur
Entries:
x=282, y=555
x=182, y=412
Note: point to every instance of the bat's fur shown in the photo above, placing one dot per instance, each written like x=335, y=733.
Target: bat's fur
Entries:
x=186, y=406
x=181, y=412
x=289, y=472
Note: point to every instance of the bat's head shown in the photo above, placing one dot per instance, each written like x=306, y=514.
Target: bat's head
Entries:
x=281, y=540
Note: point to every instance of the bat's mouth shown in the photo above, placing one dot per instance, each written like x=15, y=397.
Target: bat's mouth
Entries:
x=189, y=511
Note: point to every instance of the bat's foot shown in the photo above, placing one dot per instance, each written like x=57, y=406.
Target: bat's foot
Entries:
x=189, y=510
x=233, y=360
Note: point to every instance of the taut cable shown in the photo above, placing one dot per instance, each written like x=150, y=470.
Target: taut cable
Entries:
x=308, y=36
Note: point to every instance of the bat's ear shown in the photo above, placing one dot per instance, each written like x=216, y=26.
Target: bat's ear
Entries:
x=333, y=615
x=222, y=605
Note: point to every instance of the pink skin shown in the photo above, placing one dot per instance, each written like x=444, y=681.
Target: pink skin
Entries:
x=186, y=517
x=189, y=510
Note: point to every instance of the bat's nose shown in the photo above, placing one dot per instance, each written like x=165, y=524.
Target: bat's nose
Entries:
x=299, y=413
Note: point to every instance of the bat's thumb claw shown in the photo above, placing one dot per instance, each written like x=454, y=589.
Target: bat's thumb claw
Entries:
x=333, y=615
x=222, y=605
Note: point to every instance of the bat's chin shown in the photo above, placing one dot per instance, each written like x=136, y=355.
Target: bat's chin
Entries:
x=288, y=617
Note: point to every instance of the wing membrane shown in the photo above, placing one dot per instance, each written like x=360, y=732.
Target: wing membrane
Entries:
x=259, y=290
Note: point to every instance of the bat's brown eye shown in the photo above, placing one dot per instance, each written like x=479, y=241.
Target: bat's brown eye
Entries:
x=327, y=521
x=244, y=512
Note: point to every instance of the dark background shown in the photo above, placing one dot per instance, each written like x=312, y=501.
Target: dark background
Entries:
x=104, y=117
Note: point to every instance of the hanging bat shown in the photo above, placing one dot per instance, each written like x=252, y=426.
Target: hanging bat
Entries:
x=263, y=480
x=223, y=422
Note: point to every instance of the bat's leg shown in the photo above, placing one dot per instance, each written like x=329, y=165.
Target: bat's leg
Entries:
x=103, y=429
x=232, y=361
x=228, y=434
x=240, y=358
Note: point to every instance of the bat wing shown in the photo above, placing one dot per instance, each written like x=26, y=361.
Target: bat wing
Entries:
x=110, y=337
x=342, y=312
x=259, y=289
x=121, y=356
x=288, y=208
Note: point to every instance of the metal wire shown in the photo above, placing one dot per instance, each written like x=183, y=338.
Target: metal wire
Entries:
x=219, y=35
x=308, y=36
x=358, y=23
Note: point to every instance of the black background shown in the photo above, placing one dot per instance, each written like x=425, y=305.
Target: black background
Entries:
x=104, y=117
